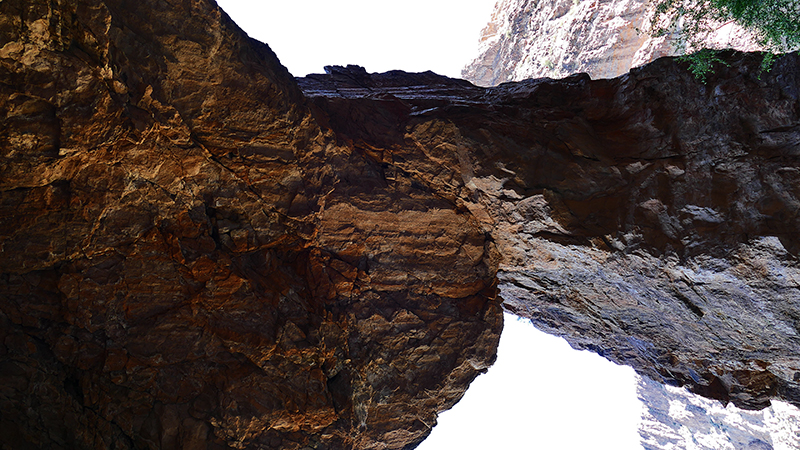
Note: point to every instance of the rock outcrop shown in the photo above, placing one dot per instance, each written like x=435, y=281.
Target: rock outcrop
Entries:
x=189, y=260
x=556, y=38
x=199, y=251
x=650, y=218
x=675, y=419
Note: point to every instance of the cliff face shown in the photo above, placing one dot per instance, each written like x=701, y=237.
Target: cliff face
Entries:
x=649, y=218
x=199, y=253
x=555, y=38
x=675, y=419
x=190, y=261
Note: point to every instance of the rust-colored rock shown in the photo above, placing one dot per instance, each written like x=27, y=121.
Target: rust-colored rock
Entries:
x=650, y=218
x=198, y=254
x=190, y=261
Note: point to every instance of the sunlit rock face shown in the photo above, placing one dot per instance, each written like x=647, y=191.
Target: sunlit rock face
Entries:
x=555, y=38
x=675, y=419
x=201, y=252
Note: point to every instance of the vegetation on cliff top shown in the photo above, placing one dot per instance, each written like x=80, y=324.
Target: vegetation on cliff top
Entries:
x=774, y=23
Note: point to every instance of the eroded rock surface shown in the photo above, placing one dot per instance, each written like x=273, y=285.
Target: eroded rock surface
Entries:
x=198, y=253
x=556, y=38
x=673, y=419
x=189, y=260
x=650, y=218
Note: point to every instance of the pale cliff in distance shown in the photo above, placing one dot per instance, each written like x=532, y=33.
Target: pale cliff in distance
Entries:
x=673, y=418
x=555, y=38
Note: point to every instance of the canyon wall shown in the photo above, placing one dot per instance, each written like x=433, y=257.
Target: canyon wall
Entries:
x=199, y=251
x=650, y=218
x=190, y=260
x=531, y=39
x=555, y=38
x=672, y=418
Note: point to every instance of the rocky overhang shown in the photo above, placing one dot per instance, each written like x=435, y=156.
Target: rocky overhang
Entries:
x=200, y=251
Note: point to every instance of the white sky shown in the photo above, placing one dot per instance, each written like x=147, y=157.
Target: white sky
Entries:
x=410, y=35
x=541, y=394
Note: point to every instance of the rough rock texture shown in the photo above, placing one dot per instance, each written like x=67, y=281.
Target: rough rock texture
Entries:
x=189, y=260
x=674, y=419
x=666, y=238
x=650, y=218
x=196, y=253
x=555, y=38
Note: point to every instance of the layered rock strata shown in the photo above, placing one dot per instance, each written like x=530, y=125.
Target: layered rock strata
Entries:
x=198, y=253
x=556, y=38
x=650, y=218
x=190, y=260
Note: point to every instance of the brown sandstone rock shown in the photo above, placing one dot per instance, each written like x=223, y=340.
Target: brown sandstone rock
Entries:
x=190, y=261
x=196, y=253
x=650, y=218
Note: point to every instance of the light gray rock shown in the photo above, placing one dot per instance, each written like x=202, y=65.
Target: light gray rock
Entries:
x=555, y=38
x=675, y=419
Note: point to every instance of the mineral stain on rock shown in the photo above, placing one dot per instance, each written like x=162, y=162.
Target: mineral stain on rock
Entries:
x=200, y=251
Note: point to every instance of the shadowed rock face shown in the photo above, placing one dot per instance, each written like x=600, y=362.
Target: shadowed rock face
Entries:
x=198, y=253
x=650, y=218
x=189, y=260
